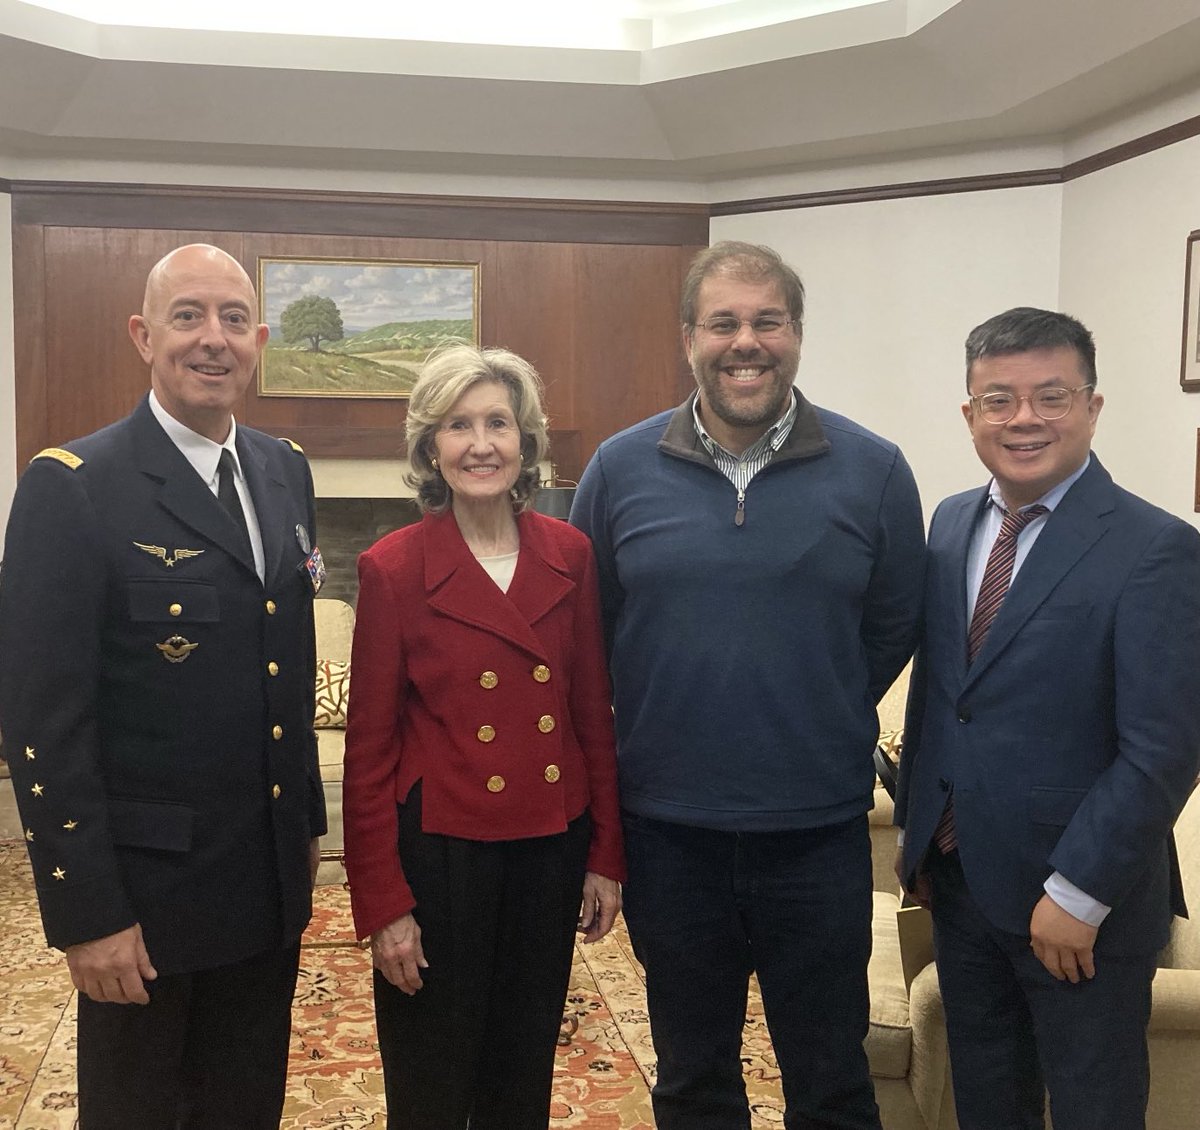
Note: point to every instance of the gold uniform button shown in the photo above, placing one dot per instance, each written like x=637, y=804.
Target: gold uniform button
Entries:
x=277, y=732
x=272, y=668
x=541, y=673
x=270, y=606
x=176, y=610
x=546, y=723
x=488, y=680
x=495, y=784
x=276, y=791
x=486, y=733
x=552, y=773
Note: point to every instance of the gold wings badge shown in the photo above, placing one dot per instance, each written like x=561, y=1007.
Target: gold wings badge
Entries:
x=168, y=559
x=175, y=649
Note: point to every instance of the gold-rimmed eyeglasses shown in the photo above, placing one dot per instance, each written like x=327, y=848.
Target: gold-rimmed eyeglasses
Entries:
x=1048, y=403
x=725, y=325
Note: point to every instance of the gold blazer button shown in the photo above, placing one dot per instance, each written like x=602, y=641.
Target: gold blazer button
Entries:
x=488, y=680
x=276, y=791
x=270, y=607
x=495, y=784
x=277, y=732
x=552, y=773
x=486, y=733
x=176, y=610
x=546, y=723
x=541, y=673
x=272, y=668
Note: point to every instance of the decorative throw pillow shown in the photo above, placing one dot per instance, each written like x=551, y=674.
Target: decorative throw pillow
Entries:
x=333, y=690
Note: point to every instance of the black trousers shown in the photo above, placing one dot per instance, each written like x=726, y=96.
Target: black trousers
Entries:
x=1015, y=1032
x=209, y=1052
x=497, y=922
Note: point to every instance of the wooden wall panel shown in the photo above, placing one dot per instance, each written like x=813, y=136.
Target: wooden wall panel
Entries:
x=598, y=317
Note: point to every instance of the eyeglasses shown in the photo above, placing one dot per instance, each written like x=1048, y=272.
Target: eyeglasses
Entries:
x=1048, y=403
x=765, y=325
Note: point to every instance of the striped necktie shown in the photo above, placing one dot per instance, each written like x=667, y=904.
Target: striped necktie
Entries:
x=997, y=576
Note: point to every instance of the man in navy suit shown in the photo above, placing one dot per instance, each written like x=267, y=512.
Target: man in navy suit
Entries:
x=156, y=686
x=1053, y=736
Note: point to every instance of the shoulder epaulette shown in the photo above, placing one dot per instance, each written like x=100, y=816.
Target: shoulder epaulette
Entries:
x=292, y=444
x=67, y=458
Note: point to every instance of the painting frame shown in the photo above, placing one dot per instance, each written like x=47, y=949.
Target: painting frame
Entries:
x=1189, y=364
x=362, y=359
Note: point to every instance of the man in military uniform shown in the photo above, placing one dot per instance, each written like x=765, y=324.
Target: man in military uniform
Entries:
x=156, y=697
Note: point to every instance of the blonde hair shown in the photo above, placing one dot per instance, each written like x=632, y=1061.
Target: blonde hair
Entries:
x=448, y=374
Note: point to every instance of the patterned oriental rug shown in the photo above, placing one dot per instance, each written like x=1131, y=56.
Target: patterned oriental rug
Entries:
x=601, y=1080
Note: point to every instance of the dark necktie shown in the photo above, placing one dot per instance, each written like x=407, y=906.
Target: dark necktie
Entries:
x=997, y=576
x=228, y=496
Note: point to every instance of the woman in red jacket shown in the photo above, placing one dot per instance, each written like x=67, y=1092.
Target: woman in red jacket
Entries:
x=480, y=797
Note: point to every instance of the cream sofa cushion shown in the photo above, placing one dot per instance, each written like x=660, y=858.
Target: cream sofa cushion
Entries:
x=889, y=1037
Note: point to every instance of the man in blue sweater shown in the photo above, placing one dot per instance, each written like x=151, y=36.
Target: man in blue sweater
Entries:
x=760, y=567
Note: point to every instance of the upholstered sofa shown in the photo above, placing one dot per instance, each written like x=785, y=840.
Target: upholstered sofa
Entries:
x=335, y=627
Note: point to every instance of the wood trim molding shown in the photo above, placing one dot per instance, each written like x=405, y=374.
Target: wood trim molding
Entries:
x=202, y=208
x=942, y=187
x=1139, y=146
x=5, y=186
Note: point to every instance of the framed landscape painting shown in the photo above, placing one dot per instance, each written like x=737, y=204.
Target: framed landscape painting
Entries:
x=359, y=327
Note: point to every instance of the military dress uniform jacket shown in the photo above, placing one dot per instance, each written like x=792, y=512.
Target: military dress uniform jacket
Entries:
x=157, y=697
x=499, y=703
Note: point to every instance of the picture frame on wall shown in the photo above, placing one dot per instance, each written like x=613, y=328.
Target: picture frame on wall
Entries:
x=359, y=327
x=1189, y=369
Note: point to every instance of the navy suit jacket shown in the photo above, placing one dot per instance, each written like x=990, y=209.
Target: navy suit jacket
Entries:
x=1073, y=740
x=157, y=704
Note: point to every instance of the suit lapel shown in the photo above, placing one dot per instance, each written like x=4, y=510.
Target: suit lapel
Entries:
x=1076, y=524
x=958, y=526
x=271, y=503
x=459, y=587
x=182, y=492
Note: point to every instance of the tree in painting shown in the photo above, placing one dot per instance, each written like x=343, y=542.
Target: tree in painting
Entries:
x=313, y=319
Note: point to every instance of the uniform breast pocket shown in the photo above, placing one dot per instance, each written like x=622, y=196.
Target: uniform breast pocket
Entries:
x=174, y=602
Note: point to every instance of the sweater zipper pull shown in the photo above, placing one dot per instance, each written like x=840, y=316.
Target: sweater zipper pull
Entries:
x=739, y=518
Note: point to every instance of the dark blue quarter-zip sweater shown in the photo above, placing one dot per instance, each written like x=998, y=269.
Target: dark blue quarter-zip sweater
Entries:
x=747, y=659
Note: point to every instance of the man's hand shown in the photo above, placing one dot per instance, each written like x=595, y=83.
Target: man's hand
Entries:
x=396, y=952
x=114, y=969
x=601, y=902
x=1061, y=942
x=920, y=890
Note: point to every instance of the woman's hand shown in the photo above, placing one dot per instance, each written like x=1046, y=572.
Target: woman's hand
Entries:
x=601, y=902
x=396, y=952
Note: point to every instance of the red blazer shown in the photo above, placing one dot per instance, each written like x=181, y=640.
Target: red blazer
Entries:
x=498, y=702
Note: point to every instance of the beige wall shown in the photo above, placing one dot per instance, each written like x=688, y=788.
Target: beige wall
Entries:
x=893, y=288
x=1124, y=239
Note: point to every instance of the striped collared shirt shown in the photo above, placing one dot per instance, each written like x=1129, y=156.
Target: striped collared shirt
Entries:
x=739, y=470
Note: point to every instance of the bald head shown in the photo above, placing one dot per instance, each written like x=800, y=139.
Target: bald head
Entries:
x=197, y=331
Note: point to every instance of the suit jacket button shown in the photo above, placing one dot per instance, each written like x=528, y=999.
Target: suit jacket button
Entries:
x=270, y=607
x=552, y=773
x=272, y=668
x=488, y=680
x=176, y=610
x=277, y=732
x=541, y=673
x=964, y=715
x=487, y=734
x=276, y=791
x=546, y=723
x=495, y=784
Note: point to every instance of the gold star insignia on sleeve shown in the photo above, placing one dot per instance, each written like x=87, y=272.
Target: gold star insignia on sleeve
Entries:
x=37, y=789
x=29, y=753
x=71, y=825
x=59, y=873
x=29, y=835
